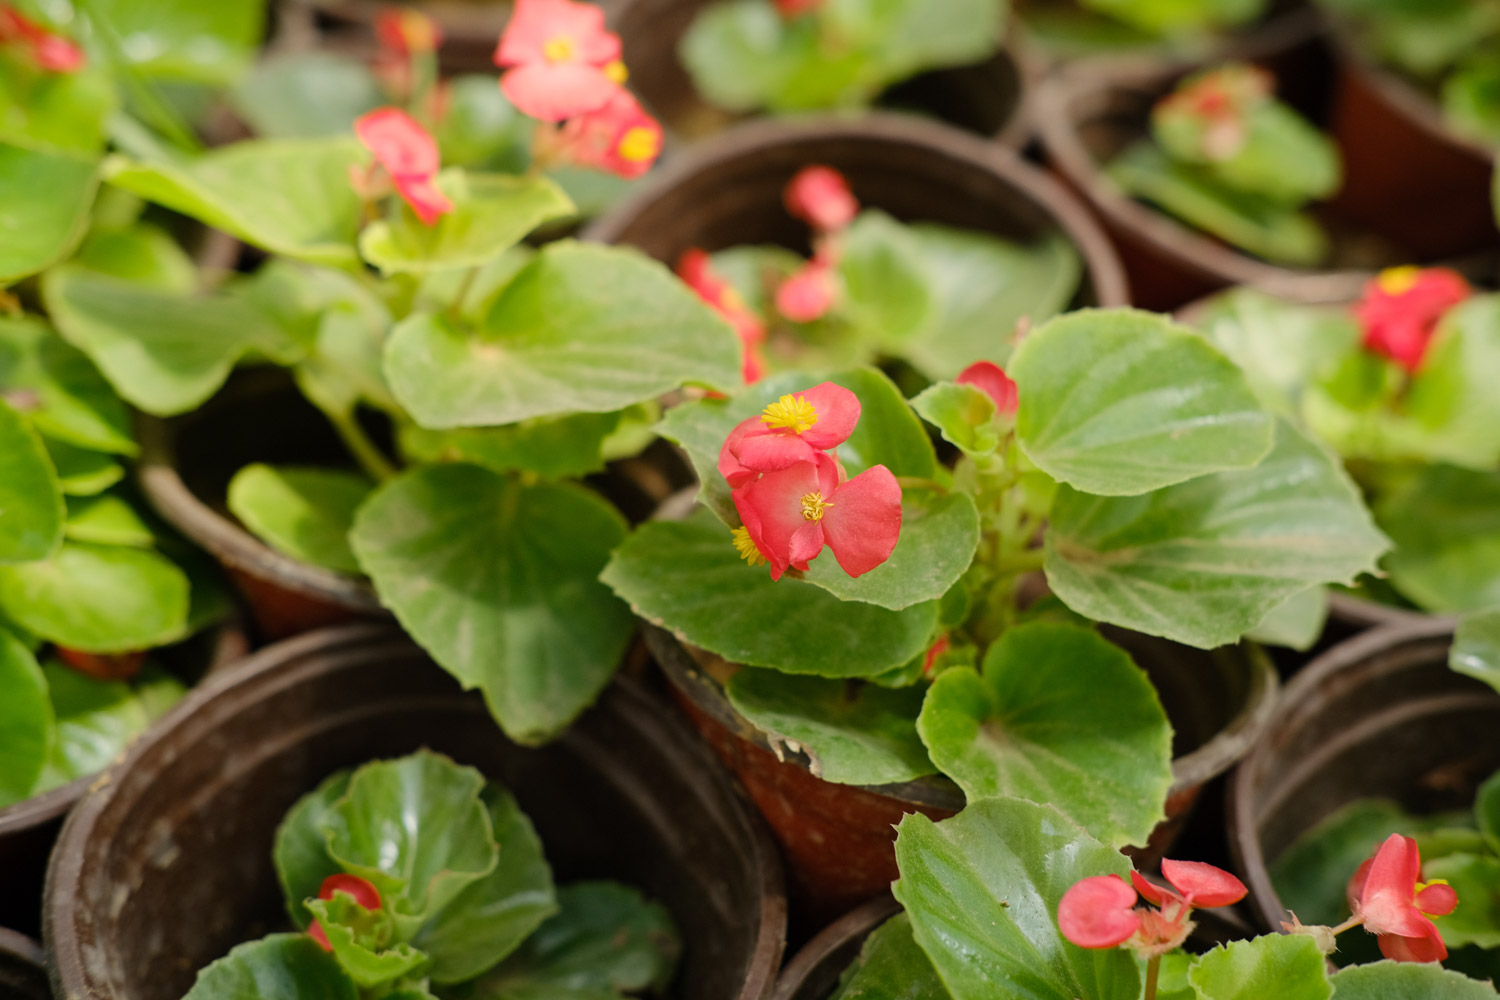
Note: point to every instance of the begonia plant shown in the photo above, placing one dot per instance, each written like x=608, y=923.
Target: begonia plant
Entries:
x=1120, y=455
x=1227, y=157
x=416, y=879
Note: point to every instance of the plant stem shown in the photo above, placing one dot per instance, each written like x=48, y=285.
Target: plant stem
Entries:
x=1348, y=924
x=1153, y=967
x=369, y=457
x=1020, y=562
x=465, y=285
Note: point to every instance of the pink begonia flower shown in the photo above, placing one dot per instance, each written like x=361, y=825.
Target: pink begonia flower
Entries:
x=795, y=428
x=562, y=61
x=990, y=379
x=792, y=514
x=49, y=50
x=410, y=155
x=1100, y=912
x=1401, y=308
x=406, y=32
x=808, y=294
x=364, y=893
x=618, y=137
x=821, y=197
x=1387, y=894
x=696, y=271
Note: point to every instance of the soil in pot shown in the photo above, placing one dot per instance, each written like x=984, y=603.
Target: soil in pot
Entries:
x=23, y=976
x=622, y=795
x=985, y=97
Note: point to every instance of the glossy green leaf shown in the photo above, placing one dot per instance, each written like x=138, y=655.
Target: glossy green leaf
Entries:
x=361, y=941
x=551, y=447
x=481, y=129
x=491, y=213
x=416, y=828
x=26, y=723
x=687, y=577
x=1284, y=966
x=31, y=501
x=62, y=111
x=63, y=394
x=1282, y=157
x=965, y=416
x=581, y=328
x=306, y=94
x=885, y=279
x=44, y=207
x=301, y=847
x=1119, y=402
x=1407, y=981
x=852, y=734
x=1452, y=412
x=1012, y=729
x=738, y=53
x=491, y=917
x=982, y=891
x=278, y=967
x=905, y=36
x=1476, y=652
x=290, y=197
x=80, y=471
x=1476, y=879
x=498, y=580
x=1445, y=523
x=107, y=519
x=96, y=720
x=1205, y=561
x=1296, y=623
x=1487, y=811
x=890, y=966
x=305, y=513
x=182, y=39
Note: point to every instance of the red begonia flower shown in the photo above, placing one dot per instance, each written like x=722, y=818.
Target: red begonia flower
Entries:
x=1401, y=309
x=933, y=652
x=103, y=666
x=406, y=31
x=792, y=514
x=990, y=379
x=1098, y=912
x=49, y=50
x=795, y=428
x=618, y=137
x=364, y=893
x=1220, y=99
x=791, y=8
x=410, y=155
x=1388, y=895
x=696, y=270
x=808, y=294
x=1197, y=884
x=563, y=62
x=821, y=197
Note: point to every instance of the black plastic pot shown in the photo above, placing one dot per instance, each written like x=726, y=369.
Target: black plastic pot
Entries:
x=1378, y=715
x=727, y=191
x=184, y=823
x=23, y=976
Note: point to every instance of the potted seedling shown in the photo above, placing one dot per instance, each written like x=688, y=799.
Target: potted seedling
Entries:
x=1128, y=460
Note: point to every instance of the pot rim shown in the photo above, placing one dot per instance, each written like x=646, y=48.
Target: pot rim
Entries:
x=858, y=923
x=18, y=945
x=1101, y=265
x=270, y=670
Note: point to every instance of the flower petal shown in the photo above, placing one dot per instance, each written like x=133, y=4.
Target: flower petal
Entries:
x=364, y=893
x=808, y=294
x=821, y=197
x=398, y=142
x=552, y=92
x=807, y=543
x=765, y=450
x=534, y=23
x=771, y=510
x=990, y=379
x=1202, y=884
x=1425, y=947
x=1096, y=912
x=734, y=473
x=838, y=413
x=1152, y=892
x=424, y=198
x=1387, y=901
x=863, y=523
x=1437, y=900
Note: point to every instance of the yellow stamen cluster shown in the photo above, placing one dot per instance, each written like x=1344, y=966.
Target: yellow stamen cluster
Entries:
x=746, y=548
x=1397, y=280
x=792, y=413
x=813, y=506
x=559, y=49
x=639, y=145
x=616, y=71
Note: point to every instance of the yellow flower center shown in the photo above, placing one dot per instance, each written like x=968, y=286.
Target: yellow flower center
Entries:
x=616, y=71
x=1398, y=280
x=559, y=49
x=418, y=32
x=813, y=506
x=792, y=413
x=746, y=548
x=639, y=145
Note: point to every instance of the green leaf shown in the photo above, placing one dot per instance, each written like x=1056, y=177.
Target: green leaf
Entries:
x=1284, y=966
x=107, y=519
x=31, y=501
x=360, y=942
x=580, y=328
x=551, y=447
x=80, y=471
x=1283, y=158
x=26, y=723
x=890, y=966
x=499, y=581
x=416, y=828
x=982, y=891
x=1120, y=402
x=1012, y=730
x=1487, y=811
x=64, y=395
x=965, y=416
x=1476, y=879
x=301, y=848
x=278, y=967
x=1452, y=413
x=738, y=53
x=491, y=213
x=1476, y=652
x=305, y=95
x=686, y=577
x=98, y=598
x=289, y=197
x=1445, y=523
x=852, y=734
x=481, y=129
x=44, y=207
x=885, y=276
x=1205, y=561
x=607, y=939
x=1296, y=623
x=1407, y=981
x=96, y=720
x=906, y=36
x=305, y=513
x=62, y=111
x=491, y=917
x=175, y=40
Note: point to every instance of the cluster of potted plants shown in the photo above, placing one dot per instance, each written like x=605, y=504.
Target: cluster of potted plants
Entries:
x=694, y=483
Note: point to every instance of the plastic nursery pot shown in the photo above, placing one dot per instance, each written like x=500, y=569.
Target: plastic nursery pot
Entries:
x=727, y=191
x=838, y=838
x=624, y=794
x=985, y=97
x=813, y=973
x=1378, y=715
x=1405, y=171
x=23, y=976
x=28, y=829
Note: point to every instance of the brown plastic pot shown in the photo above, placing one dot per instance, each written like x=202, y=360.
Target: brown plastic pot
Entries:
x=814, y=972
x=838, y=839
x=29, y=828
x=985, y=97
x=727, y=191
x=1378, y=715
x=184, y=823
x=23, y=976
